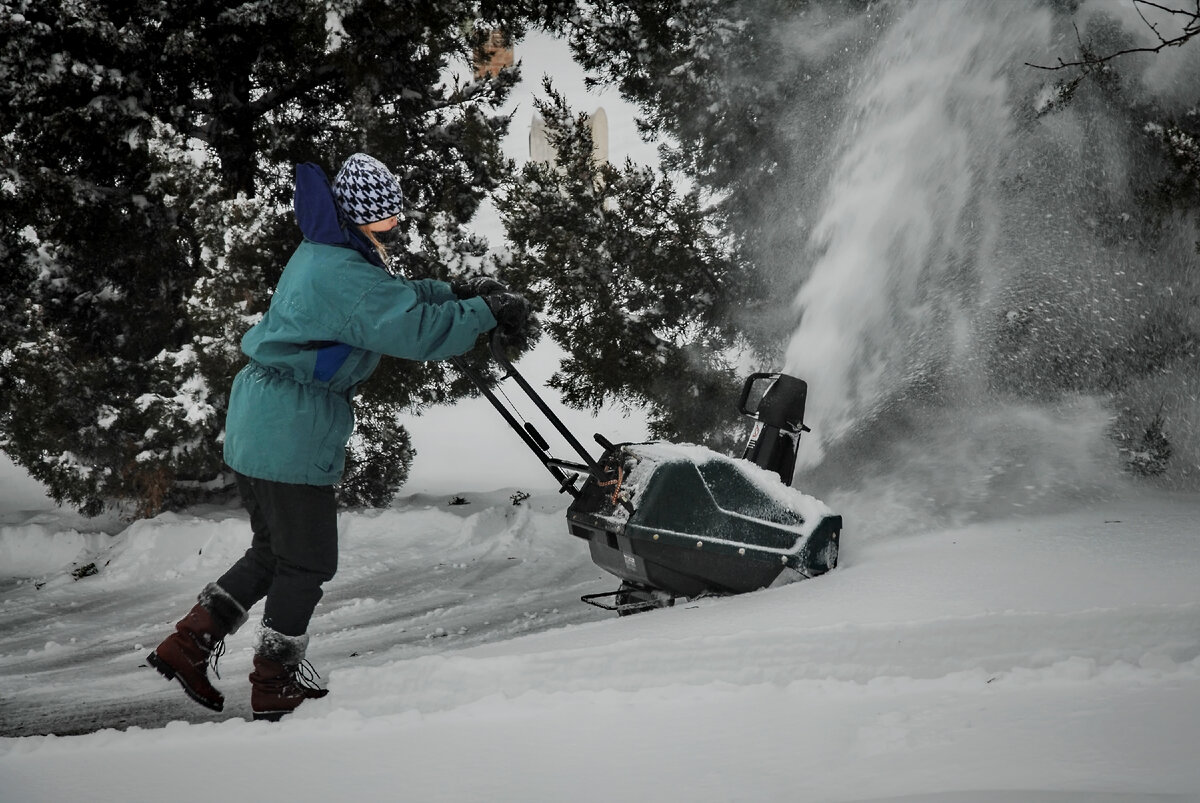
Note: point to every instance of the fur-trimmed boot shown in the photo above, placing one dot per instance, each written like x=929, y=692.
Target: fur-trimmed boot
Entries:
x=197, y=643
x=281, y=679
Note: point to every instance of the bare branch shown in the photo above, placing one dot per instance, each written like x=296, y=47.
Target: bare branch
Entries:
x=1191, y=29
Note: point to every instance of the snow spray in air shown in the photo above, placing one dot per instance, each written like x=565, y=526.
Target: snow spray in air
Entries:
x=905, y=247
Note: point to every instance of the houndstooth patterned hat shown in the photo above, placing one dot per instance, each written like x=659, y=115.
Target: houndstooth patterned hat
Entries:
x=366, y=191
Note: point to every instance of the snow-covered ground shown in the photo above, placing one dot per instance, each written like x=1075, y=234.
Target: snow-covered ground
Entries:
x=1051, y=658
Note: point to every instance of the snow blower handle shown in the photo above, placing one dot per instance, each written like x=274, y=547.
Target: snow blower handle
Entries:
x=496, y=345
x=526, y=431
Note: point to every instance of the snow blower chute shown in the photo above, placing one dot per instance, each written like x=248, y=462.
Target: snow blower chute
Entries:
x=679, y=521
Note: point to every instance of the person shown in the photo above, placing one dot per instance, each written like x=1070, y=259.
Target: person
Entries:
x=336, y=310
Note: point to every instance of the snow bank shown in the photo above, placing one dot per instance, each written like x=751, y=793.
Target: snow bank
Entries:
x=1051, y=659
x=33, y=550
x=970, y=738
x=170, y=545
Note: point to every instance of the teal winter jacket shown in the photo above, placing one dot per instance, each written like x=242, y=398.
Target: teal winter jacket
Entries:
x=334, y=312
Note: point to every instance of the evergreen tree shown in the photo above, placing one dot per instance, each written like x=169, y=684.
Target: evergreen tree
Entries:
x=636, y=282
x=145, y=208
x=658, y=288
x=744, y=97
x=747, y=97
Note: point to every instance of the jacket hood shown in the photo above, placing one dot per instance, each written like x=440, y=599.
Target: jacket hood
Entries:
x=318, y=215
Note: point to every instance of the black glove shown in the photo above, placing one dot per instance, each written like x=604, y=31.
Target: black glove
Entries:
x=514, y=319
x=470, y=287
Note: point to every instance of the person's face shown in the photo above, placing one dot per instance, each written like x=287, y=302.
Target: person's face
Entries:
x=387, y=224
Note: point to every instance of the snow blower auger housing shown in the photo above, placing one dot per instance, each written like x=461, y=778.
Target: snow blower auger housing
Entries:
x=680, y=521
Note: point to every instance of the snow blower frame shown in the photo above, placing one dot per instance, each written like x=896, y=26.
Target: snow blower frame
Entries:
x=677, y=522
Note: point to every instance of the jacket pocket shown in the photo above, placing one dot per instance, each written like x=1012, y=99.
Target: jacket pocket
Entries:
x=331, y=454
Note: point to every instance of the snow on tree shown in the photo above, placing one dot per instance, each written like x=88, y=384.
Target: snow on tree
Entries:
x=145, y=200
x=663, y=284
x=748, y=99
x=636, y=284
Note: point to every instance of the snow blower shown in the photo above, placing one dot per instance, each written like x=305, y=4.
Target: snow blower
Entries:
x=681, y=521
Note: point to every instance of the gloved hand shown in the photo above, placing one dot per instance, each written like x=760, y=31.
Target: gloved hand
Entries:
x=472, y=286
x=514, y=319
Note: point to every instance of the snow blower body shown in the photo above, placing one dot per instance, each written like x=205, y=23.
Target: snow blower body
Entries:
x=680, y=521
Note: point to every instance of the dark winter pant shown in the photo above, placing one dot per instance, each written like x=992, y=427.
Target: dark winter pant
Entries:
x=294, y=551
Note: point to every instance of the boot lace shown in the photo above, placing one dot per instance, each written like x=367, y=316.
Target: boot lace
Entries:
x=217, y=651
x=305, y=675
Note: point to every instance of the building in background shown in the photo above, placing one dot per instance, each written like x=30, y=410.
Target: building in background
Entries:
x=540, y=149
x=497, y=53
